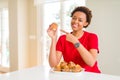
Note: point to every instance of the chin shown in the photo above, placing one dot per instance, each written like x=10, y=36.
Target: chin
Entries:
x=74, y=29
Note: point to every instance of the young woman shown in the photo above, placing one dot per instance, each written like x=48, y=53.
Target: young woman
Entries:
x=78, y=46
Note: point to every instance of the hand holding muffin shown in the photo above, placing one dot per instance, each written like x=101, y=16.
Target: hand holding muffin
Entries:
x=52, y=30
x=54, y=26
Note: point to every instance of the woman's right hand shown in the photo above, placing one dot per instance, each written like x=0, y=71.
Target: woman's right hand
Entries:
x=52, y=33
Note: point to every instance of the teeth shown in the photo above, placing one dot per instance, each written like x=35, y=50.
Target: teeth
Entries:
x=74, y=25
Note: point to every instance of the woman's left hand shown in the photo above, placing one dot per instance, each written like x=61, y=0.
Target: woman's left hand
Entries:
x=69, y=37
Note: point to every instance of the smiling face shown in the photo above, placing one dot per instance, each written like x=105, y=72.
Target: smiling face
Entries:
x=78, y=21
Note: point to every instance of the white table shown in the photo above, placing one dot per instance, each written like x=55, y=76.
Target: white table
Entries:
x=44, y=73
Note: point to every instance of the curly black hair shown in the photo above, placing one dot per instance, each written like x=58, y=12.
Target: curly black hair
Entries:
x=85, y=10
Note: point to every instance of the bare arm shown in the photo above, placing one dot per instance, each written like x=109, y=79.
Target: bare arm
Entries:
x=54, y=56
x=89, y=57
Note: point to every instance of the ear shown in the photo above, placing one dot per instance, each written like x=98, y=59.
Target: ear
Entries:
x=86, y=23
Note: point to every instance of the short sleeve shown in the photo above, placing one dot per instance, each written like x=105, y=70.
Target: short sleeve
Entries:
x=93, y=41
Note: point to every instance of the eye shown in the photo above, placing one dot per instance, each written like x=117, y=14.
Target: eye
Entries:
x=80, y=20
x=74, y=18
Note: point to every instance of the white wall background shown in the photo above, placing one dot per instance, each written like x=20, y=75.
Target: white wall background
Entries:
x=106, y=23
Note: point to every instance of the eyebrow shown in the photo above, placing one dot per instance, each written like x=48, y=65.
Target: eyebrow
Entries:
x=75, y=17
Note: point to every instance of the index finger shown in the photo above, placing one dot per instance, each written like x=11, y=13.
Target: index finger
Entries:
x=64, y=31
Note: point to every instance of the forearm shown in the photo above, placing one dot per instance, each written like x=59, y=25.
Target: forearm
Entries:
x=88, y=57
x=52, y=54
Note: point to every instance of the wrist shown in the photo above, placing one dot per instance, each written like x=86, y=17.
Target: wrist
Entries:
x=54, y=37
x=77, y=44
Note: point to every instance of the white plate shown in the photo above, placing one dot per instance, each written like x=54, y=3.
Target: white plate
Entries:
x=59, y=72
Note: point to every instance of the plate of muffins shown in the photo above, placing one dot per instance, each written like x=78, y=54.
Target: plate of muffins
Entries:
x=69, y=68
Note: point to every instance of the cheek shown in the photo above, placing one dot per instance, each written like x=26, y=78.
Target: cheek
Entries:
x=71, y=22
x=81, y=24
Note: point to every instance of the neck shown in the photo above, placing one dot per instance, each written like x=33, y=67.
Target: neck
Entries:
x=78, y=34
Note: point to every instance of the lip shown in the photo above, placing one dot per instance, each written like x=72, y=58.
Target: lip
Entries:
x=74, y=25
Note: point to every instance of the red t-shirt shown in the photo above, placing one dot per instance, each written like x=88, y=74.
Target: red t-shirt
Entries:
x=70, y=53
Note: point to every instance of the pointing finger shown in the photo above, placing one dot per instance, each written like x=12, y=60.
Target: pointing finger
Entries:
x=64, y=31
